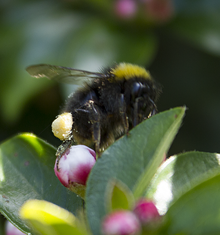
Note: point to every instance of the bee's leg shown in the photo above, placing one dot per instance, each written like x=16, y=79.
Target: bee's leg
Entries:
x=122, y=110
x=95, y=120
x=62, y=149
x=135, y=118
x=154, y=111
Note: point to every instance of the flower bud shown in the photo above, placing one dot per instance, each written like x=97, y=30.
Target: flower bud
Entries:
x=121, y=223
x=146, y=211
x=125, y=8
x=10, y=229
x=74, y=167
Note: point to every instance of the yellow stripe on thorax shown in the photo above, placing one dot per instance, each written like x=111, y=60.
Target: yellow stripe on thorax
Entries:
x=128, y=71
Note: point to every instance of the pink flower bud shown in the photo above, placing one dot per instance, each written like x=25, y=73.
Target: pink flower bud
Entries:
x=146, y=211
x=75, y=165
x=125, y=8
x=121, y=223
x=10, y=229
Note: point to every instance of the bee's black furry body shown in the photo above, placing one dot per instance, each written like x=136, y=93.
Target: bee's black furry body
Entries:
x=105, y=110
x=106, y=106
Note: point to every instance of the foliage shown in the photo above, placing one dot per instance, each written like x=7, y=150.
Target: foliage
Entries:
x=182, y=51
x=27, y=173
x=185, y=188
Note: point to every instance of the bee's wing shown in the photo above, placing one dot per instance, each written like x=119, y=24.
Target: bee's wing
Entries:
x=62, y=74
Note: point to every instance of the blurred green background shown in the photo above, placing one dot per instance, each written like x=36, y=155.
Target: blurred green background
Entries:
x=178, y=41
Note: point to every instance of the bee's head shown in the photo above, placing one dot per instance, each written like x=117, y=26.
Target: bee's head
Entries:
x=142, y=95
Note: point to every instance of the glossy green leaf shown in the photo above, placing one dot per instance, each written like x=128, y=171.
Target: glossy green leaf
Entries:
x=50, y=219
x=179, y=174
x=163, y=141
x=133, y=159
x=27, y=172
x=197, y=211
x=119, y=196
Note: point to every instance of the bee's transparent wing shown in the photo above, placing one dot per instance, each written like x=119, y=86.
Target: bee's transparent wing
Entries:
x=62, y=74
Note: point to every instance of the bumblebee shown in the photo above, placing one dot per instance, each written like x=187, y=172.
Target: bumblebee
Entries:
x=104, y=107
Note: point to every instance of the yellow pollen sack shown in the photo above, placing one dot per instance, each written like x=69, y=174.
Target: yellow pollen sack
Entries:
x=62, y=126
x=128, y=71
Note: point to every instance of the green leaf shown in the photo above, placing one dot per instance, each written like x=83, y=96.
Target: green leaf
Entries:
x=197, y=211
x=133, y=159
x=163, y=141
x=179, y=174
x=50, y=219
x=27, y=172
x=119, y=196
